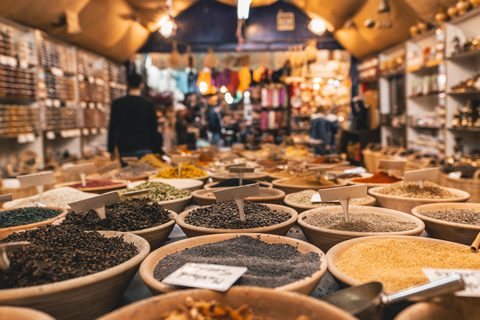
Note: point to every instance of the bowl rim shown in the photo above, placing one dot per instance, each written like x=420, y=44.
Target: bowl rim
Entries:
x=194, y=182
x=279, y=183
x=180, y=220
x=121, y=184
x=26, y=311
x=200, y=193
x=463, y=196
x=212, y=185
x=453, y=205
x=143, y=248
x=36, y=224
x=247, y=175
x=378, y=210
x=371, y=200
x=370, y=184
x=340, y=248
x=146, y=273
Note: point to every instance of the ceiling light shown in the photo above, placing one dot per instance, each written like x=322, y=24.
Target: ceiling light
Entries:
x=203, y=87
x=243, y=9
x=318, y=26
x=316, y=86
x=317, y=79
x=167, y=26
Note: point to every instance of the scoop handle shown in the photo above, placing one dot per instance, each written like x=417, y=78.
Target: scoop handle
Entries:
x=429, y=290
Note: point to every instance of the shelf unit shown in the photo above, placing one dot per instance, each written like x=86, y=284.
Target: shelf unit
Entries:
x=51, y=118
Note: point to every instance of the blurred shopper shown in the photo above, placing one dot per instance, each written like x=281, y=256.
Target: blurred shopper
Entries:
x=215, y=123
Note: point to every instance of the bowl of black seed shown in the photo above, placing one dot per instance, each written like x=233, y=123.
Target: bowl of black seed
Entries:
x=325, y=227
x=70, y=273
x=205, y=197
x=235, y=182
x=457, y=222
x=146, y=219
x=225, y=218
x=26, y=218
x=283, y=263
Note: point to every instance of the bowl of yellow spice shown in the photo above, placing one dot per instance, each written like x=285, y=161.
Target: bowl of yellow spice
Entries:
x=188, y=171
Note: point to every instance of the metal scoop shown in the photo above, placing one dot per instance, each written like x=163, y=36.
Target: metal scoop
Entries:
x=367, y=301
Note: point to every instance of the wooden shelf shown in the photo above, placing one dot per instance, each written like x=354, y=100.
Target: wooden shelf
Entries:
x=425, y=128
x=464, y=55
x=426, y=67
x=433, y=94
x=465, y=129
x=465, y=93
x=393, y=74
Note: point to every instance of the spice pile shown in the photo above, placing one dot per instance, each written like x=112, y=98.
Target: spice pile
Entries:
x=136, y=170
x=203, y=310
x=27, y=215
x=58, y=253
x=413, y=190
x=159, y=191
x=188, y=171
x=226, y=216
x=398, y=263
x=308, y=181
x=462, y=216
x=269, y=265
x=94, y=184
x=304, y=198
x=379, y=177
x=60, y=197
x=124, y=216
x=359, y=222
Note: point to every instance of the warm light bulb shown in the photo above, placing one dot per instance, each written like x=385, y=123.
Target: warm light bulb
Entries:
x=318, y=26
x=223, y=89
x=330, y=81
x=341, y=118
x=228, y=98
x=317, y=79
x=203, y=87
x=167, y=26
x=316, y=86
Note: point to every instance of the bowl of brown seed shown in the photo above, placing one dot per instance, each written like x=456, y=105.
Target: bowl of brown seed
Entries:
x=23, y=314
x=206, y=197
x=224, y=218
x=325, y=227
x=240, y=303
x=278, y=262
x=443, y=308
x=457, y=222
x=404, y=196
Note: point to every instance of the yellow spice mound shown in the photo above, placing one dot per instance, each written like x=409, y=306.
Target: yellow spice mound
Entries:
x=188, y=171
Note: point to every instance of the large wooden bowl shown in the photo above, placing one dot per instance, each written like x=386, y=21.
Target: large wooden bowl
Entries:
x=445, y=308
x=326, y=238
x=205, y=197
x=17, y=313
x=256, y=176
x=290, y=188
x=81, y=298
x=369, y=200
x=335, y=253
x=121, y=184
x=263, y=184
x=265, y=303
x=450, y=231
x=407, y=204
x=4, y=232
x=278, y=229
x=304, y=286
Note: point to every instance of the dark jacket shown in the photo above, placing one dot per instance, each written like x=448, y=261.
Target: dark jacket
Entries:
x=214, y=122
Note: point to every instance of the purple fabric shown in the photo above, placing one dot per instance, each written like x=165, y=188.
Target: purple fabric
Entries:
x=222, y=78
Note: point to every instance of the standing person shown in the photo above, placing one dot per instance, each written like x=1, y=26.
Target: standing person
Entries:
x=181, y=124
x=320, y=132
x=169, y=132
x=215, y=123
x=133, y=123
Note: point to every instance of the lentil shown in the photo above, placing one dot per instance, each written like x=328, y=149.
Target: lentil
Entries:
x=359, y=222
x=60, y=197
x=305, y=198
x=131, y=216
x=94, y=184
x=226, y=216
x=58, y=253
x=308, y=180
x=398, y=263
x=462, y=216
x=159, y=191
x=269, y=264
x=188, y=171
x=412, y=190
x=27, y=215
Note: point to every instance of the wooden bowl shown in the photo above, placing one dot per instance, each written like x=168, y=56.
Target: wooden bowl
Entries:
x=444, y=308
x=326, y=238
x=369, y=200
x=278, y=229
x=263, y=184
x=450, y=231
x=176, y=205
x=85, y=297
x=407, y=204
x=121, y=184
x=186, y=184
x=267, y=195
x=304, y=286
x=335, y=253
x=203, y=178
x=256, y=176
x=289, y=188
x=23, y=314
x=265, y=303
x=4, y=232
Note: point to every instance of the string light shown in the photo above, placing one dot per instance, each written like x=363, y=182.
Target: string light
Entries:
x=228, y=98
x=203, y=87
x=243, y=9
x=223, y=89
x=316, y=86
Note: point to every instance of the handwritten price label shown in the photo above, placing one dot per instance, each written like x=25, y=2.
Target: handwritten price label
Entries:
x=206, y=276
x=470, y=277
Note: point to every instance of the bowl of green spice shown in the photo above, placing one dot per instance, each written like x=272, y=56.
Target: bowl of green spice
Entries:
x=26, y=218
x=166, y=195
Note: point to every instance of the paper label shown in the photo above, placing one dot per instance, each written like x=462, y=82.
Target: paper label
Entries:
x=6, y=197
x=3, y=60
x=11, y=183
x=12, y=62
x=37, y=179
x=242, y=192
x=95, y=202
x=392, y=164
x=206, y=276
x=91, y=79
x=240, y=169
x=81, y=168
x=343, y=193
x=424, y=174
x=470, y=277
x=21, y=138
x=177, y=158
x=108, y=167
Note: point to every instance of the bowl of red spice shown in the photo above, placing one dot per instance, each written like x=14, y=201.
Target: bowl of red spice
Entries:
x=95, y=186
x=378, y=179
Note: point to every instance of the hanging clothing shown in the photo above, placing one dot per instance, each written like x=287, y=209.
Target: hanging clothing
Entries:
x=234, y=82
x=182, y=82
x=244, y=77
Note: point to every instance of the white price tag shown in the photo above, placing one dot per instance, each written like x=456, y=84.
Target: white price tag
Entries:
x=3, y=60
x=56, y=71
x=391, y=165
x=12, y=62
x=96, y=203
x=21, y=138
x=37, y=179
x=343, y=195
x=50, y=135
x=421, y=175
x=470, y=277
x=237, y=194
x=103, y=130
x=206, y=276
x=64, y=133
